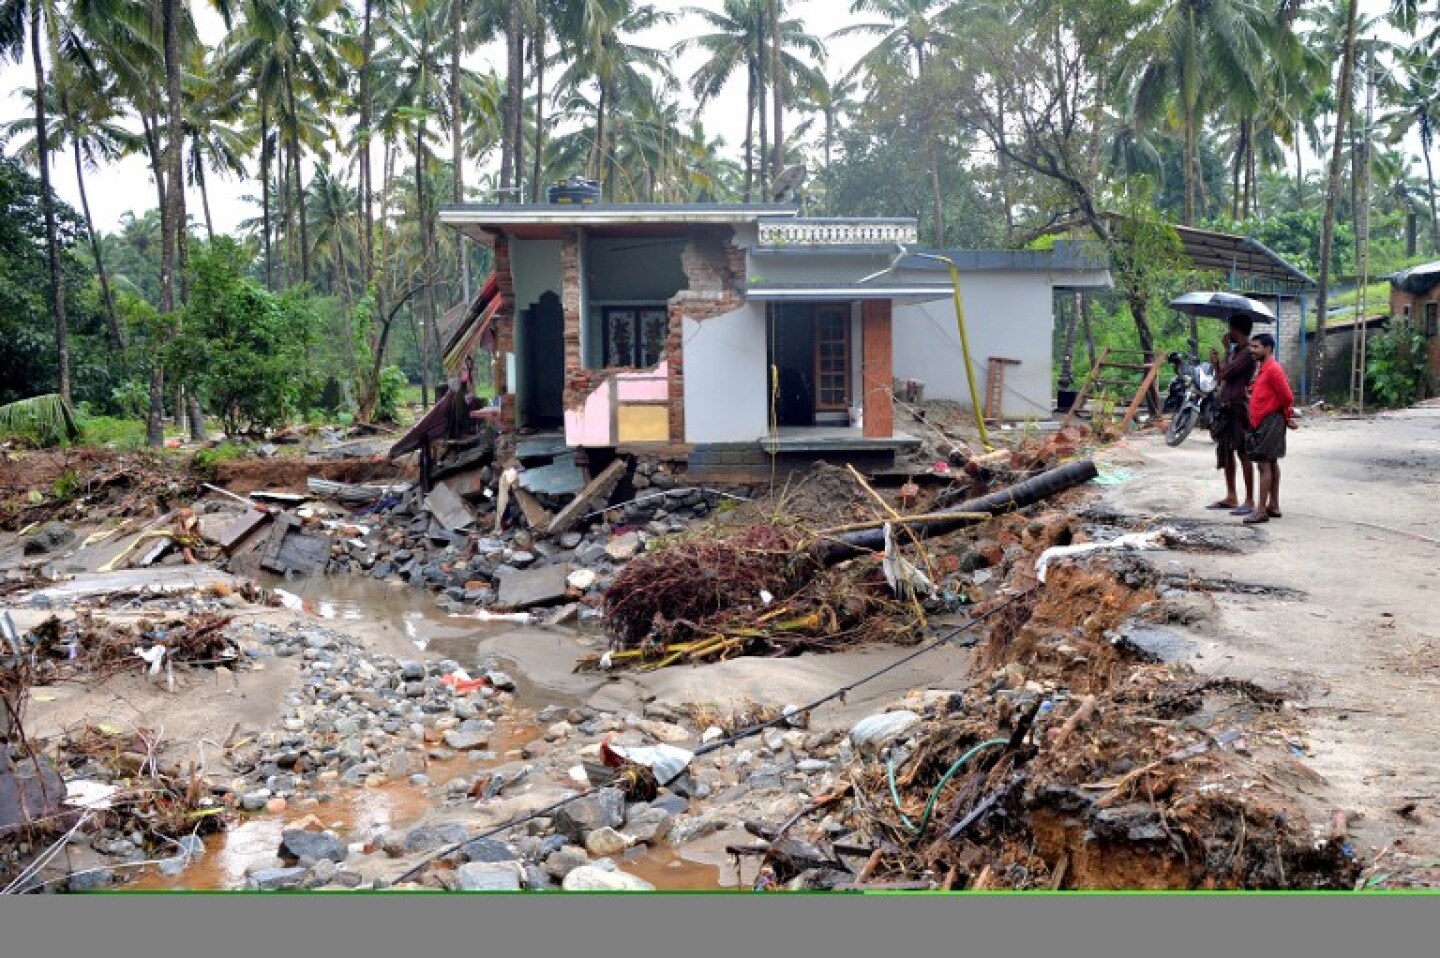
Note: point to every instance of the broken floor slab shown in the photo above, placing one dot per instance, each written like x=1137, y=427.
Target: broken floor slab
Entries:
x=561, y=478
x=546, y=585
x=290, y=549
x=449, y=509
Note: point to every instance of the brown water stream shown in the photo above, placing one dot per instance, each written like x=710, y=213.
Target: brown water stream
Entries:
x=405, y=622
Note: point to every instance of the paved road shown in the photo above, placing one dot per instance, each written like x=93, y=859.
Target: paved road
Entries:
x=1360, y=652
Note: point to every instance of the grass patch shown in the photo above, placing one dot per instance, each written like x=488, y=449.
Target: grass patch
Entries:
x=207, y=461
x=113, y=432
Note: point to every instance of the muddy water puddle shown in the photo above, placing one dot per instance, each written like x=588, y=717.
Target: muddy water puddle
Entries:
x=405, y=622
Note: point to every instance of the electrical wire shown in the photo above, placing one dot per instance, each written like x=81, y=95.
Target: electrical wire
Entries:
x=739, y=736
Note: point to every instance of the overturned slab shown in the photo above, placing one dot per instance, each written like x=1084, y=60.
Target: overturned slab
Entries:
x=449, y=509
x=290, y=549
x=561, y=478
x=524, y=588
x=241, y=528
x=593, y=496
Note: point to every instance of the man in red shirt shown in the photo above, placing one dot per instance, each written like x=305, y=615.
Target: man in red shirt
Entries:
x=1272, y=411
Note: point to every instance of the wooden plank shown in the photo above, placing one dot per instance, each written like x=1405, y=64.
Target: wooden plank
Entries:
x=593, y=496
x=241, y=528
x=536, y=515
x=1140, y=395
x=877, y=368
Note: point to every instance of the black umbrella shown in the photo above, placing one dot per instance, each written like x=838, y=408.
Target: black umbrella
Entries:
x=1222, y=306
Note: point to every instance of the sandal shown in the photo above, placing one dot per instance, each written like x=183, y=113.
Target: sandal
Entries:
x=1273, y=514
x=1221, y=504
x=1242, y=510
x=1255, y=518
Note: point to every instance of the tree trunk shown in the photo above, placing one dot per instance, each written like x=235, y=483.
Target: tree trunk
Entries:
x=112, y=319
x=299, y=179
x=538, y=158
x=155, y=419
x=204, y=193
x=196, y=416
x=1430, y=184
x=457, y=136
x=597, y=146
x=761, y=88
x=265, y=227
x=937, y=201
x=1332, y=193
x=777, y=90
x=749, y=132
x=514, y=95
x=47, y=206
x=367, y=188
x=423, y=342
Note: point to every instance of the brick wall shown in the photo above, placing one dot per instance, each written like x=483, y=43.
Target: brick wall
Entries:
x=504, y=330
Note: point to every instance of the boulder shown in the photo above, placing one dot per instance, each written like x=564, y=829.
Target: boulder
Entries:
x=591, y=878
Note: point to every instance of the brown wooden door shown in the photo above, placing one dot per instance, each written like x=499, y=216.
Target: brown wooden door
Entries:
x=832, y=357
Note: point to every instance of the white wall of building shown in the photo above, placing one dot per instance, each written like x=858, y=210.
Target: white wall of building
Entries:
x=1007, y=313
x=725, y=377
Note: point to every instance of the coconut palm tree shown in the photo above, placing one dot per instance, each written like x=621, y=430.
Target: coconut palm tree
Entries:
x=1414, y=89
x=218, y=143
x=33, y=20
x=833, y=100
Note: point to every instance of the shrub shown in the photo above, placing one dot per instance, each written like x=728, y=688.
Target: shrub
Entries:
x=1396, y=365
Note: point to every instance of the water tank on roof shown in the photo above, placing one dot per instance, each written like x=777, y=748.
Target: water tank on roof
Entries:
x=577, y=189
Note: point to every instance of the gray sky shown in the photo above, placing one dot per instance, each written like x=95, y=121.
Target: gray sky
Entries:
x=126, y=186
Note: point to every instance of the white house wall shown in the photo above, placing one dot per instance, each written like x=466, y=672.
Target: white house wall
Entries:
x=725, y=377
x=1007, y=314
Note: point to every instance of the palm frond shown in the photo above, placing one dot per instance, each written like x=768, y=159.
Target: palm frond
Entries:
x=48, y=417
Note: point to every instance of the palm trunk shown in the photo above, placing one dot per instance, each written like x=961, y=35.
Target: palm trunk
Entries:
x=423, y=342
x=457, y=132
x=537, y=160
x=749, y=132
x=196, y=416
x=597, y=148
x=1332, y=194
x=299, y=179
x=47, y=206
x=367, y=241
x=761, y=86
x=777, y=90
x=265, y=226
x=1430, y=185
x=204, y=193
x=936, y=199
x=514, y=94
x=112, y=319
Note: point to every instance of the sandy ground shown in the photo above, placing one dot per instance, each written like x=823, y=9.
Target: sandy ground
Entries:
x=1359, y=653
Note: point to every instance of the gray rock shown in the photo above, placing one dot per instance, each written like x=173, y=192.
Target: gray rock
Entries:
x=412, y=671
x=426, y=838
x=564, y=615
x=465, y=708
x=523, y=560
x=465, y=741
x=489, y=876
x=321, y=874
x=650, y=825
x=487, y=850
x=255, y=801
x=272, y=879
x=500, y=680
x=298, y=843
x=171, y=867
x=50, y=537
x=348, y=879
x=90, y=879
x=281, y=785
x=603, y=809
x=623, y=548
x=563, y=861
x=591, y=878
x=605, y=841
x=545, y=585
x=404, y=764
x=571, y=540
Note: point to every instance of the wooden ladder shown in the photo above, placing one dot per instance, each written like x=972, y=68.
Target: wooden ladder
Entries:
x=995, y=386
x=1124, y=369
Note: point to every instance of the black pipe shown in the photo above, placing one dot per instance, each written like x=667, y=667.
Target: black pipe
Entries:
x=1022, y=494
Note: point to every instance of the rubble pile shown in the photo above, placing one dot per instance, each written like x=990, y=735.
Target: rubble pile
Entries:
x=1074, y=758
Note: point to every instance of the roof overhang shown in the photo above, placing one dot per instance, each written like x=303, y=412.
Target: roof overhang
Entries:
x=482, y=222
x=847, y=293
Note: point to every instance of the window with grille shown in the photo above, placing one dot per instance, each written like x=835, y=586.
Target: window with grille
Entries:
x=634, y=335
x=1432, y=322
x=832, y=357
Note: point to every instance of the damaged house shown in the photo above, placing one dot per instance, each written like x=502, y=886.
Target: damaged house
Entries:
x=737, y=338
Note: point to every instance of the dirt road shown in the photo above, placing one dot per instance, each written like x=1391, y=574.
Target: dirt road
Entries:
x=1357, y=650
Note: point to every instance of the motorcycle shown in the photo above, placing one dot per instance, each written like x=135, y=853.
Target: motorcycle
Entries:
x=1191, y=399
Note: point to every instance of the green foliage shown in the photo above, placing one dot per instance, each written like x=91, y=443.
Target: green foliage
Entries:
x=206, y=461
x=1295, y=235
x=66, y=484
x=46, y=420
x=114, y=431
x=242, y=344
x=1396, y=365
x=392, y=382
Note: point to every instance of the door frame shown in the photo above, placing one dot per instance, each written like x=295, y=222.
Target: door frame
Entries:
x=819, y=313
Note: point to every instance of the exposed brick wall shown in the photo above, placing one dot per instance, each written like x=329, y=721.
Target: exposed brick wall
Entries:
x=713, y=267
x=504, y=330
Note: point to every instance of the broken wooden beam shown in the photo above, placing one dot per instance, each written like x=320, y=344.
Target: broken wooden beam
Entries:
x=1018, y=496
x=241, y=528
x=599, y=489
x=536, y=515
